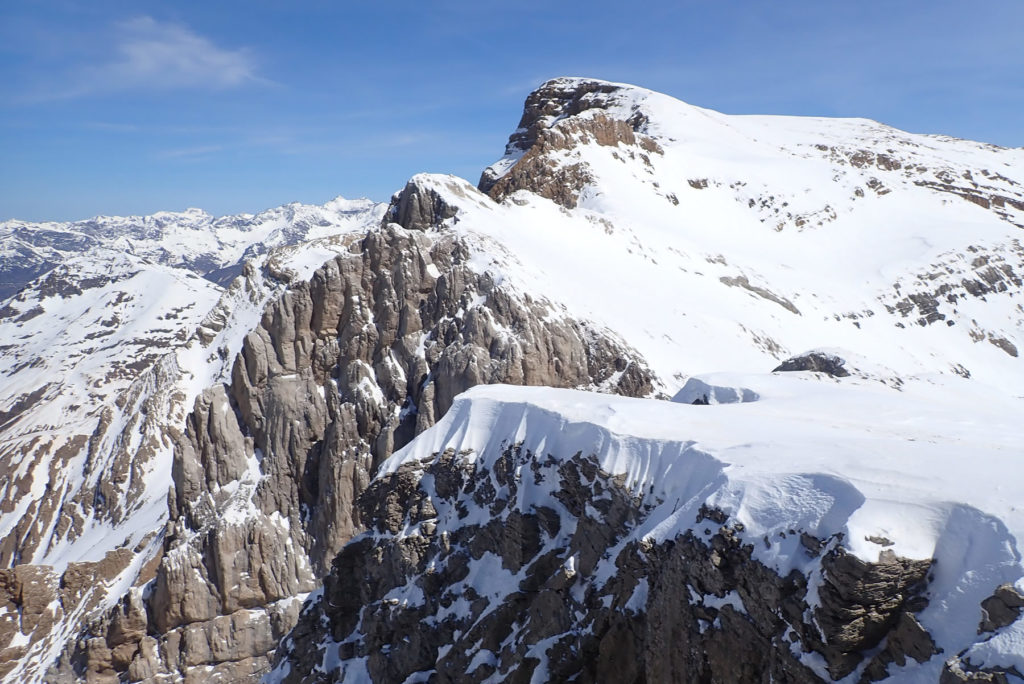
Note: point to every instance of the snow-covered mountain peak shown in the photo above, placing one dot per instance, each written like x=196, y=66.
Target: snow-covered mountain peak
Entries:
x=864, y=154
x=342, y=204
x=191, y=214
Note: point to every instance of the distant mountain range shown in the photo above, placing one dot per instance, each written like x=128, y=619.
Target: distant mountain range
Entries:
x=214, y=248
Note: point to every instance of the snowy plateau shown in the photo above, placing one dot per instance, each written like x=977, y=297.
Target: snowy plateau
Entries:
x=667, y=396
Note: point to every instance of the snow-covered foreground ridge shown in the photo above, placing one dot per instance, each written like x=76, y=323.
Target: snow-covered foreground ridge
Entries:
x=811, y=473
x=823, y=456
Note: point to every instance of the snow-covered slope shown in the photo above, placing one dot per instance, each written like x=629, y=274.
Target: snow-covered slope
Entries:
x=729, y=242
x=91, y=329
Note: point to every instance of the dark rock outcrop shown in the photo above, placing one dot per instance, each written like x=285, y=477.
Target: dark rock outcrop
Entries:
x=1001, y=609
x=418, y=207
x=862, y=604
x=818, y=362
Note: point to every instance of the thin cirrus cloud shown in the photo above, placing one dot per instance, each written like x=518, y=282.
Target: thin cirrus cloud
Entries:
x=150, y=55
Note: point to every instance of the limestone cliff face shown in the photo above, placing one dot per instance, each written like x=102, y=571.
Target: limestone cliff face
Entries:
x=503, y=566
x=341, y=371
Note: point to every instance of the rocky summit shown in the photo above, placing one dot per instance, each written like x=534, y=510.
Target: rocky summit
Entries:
x=668, y=396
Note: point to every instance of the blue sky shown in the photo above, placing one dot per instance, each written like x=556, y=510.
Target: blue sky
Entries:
x=134, y=106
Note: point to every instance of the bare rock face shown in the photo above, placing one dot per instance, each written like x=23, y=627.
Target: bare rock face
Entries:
x=36, y=601
x=341, y=371
x=1001, y=609
x=864, y=603
x=550, y=124
x=459, y=580
x=27, y=595
x=418, y=208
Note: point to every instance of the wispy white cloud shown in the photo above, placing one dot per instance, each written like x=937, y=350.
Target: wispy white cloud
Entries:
x=150, y=55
